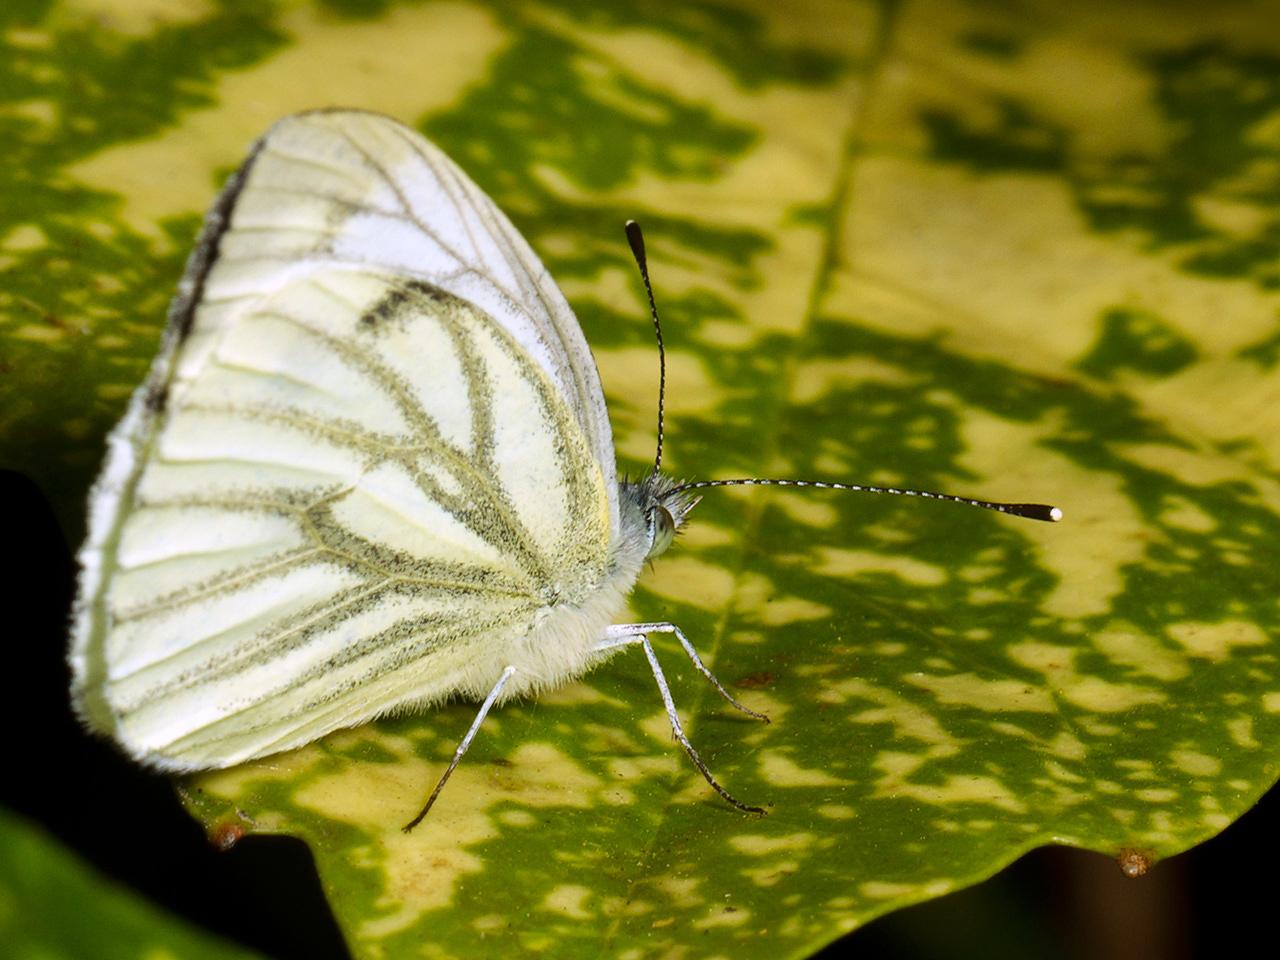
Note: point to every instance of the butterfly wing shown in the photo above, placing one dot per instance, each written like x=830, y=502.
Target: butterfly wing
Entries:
x=367, y=460
x=348, y=187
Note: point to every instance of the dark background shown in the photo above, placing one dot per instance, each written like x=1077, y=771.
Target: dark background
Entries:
x=1053, y=903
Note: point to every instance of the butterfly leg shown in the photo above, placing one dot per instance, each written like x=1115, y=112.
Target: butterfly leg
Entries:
x=616, y=638
x=462, y=747
x=664, y=627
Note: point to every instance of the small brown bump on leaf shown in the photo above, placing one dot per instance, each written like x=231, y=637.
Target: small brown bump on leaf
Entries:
x=225, y=835
x=753, y=681
x=1134, y=863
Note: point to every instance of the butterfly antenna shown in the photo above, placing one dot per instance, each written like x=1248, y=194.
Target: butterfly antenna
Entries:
x=636, y=239
x=1031, y=511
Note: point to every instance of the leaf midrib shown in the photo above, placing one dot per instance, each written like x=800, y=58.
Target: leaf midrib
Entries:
x=779, y=402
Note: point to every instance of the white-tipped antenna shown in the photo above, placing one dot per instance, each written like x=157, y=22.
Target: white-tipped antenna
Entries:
x=636, y=239
x=1031, y=511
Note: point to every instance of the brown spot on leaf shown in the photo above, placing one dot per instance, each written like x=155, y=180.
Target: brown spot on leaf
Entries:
x=1134, y=863
x=753, y=681
x=225, y=835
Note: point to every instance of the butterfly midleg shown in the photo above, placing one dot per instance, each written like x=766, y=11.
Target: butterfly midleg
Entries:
x=462, y=747
x=629, y=629
x=622, y=637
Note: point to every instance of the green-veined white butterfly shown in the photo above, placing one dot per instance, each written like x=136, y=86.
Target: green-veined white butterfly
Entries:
x=371, y=468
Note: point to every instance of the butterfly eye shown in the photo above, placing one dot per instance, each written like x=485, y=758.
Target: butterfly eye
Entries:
x=662, y=530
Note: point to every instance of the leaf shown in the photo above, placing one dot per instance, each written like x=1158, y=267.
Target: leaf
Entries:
x=52, y=906
x=1016, y=255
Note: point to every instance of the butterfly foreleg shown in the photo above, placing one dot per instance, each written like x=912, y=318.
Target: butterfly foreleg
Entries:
x=462, y=747
x=621, y=636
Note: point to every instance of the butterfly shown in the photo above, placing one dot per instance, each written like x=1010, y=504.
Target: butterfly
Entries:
x=371, y=470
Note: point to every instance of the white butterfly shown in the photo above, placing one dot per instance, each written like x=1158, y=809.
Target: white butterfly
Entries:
x=371, y=469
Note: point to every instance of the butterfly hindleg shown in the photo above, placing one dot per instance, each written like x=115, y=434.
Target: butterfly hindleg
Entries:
x=628, y=634
x=462, y=747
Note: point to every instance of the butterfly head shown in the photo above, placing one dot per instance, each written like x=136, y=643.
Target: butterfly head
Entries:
x=663, y=507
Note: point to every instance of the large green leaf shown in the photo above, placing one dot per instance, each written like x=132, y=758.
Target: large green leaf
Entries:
x=1024, y=255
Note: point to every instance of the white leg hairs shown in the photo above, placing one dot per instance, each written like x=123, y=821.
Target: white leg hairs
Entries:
x=622, y=635
x=637, y=633
x=462, y=747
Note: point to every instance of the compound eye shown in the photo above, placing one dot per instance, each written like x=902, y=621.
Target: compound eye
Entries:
x=662, y=529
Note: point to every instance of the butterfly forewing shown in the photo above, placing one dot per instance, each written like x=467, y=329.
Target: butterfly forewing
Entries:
x=344, y=187
x=358, y=472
